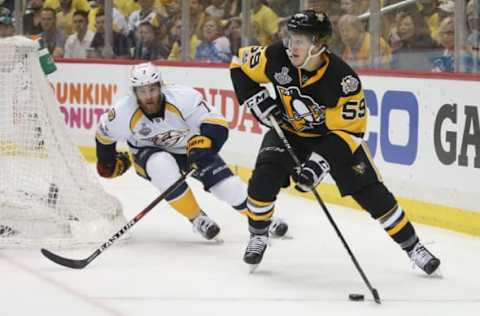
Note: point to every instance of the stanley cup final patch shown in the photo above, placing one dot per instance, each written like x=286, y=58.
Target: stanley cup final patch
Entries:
x=282, y=77
x=349, y=84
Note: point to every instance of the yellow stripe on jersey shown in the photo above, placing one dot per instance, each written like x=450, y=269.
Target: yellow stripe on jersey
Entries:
x=102, y=139
x=135, y=118
x=216, y=121
x=317, y=76
x=186, y=204
x=352, y=141
x=349, y=114
x=372, y=162
x=252, y=60
x=173, y=109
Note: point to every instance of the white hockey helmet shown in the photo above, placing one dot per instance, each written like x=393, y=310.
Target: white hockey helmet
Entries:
x=144, y=74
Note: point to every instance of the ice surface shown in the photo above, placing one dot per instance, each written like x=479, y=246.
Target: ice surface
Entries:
x=165, y=269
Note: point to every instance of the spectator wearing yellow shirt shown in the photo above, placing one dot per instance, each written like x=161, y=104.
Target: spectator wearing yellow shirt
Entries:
x=429, y=10
x=65, y=14
x=120, y=24
x=358, y=44
x=81, y=5
x=176, y=51
x=127, y=7
x=265, y=22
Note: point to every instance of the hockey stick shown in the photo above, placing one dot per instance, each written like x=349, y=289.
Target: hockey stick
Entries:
x=289, y=148
x=82, y=263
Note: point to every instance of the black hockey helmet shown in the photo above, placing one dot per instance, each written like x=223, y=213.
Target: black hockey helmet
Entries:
x=312, y=23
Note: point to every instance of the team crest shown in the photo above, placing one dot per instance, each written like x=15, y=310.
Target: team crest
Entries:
x=321, y=17
x=302, y=110
x=168, y=139
x=282, y=77
x=360, y=168
x=111, y=115
x=144, y=131
x=349, y=84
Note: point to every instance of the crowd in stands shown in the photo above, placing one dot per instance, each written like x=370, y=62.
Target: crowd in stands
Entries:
x=419, y=36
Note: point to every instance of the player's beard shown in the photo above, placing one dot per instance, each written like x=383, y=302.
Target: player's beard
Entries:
x=152, y=105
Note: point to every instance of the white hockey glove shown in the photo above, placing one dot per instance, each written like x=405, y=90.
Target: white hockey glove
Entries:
x=262, y=106
x=311, y=173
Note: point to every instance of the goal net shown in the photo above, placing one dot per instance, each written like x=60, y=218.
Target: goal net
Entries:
x=48, y=194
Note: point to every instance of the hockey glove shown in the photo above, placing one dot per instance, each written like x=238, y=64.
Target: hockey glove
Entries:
x=311, y=173
x=262, y=106
x=199, y=151
x=115, y=169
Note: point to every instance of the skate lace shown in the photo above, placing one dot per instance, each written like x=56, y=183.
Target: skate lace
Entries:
x=420, y=256
x=257, y=244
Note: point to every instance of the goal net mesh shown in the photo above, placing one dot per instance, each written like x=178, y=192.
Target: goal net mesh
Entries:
x=48, y=194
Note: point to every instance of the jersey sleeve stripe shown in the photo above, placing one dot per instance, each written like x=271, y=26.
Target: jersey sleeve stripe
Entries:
x=216, y=121
x=104, y=140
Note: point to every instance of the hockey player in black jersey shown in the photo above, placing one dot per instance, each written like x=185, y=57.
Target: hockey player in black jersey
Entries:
x=320, y=105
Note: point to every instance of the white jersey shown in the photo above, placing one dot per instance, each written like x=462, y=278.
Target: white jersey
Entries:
x=185, y=111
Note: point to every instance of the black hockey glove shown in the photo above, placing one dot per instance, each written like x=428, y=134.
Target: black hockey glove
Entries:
x=200, y=151
x=311, y=173
x=262, y=106
x=116, y=168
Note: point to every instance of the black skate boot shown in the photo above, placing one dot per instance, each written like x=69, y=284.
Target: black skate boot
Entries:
x=255, y=249
x=424, y=259
x=278, y=228
x=206, y=227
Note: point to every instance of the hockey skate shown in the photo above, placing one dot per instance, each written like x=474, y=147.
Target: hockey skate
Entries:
x=278, y=228
x=206, y=227
x=424, y=259
x=255, y=249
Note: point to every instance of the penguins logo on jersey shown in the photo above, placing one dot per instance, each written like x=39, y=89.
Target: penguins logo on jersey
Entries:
x=302, y=111
x=169, y=138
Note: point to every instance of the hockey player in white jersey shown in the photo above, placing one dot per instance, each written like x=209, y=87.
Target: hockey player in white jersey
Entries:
x=168, y=129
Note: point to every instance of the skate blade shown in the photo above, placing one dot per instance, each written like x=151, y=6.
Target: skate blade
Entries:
x=438, y=274
x=253, y=268
x=286, y=237
x=218, y=240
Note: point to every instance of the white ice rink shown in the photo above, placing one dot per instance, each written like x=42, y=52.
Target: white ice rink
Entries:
x=165, y=269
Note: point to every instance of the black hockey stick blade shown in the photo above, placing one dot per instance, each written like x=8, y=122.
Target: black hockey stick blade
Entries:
x=70, y=263
x=376, y=297
x=82, y=263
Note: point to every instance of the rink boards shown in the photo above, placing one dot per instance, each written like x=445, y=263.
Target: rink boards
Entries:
x=423, y=131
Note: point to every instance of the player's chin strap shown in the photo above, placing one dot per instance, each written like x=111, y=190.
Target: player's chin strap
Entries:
x=297, y=162
x=310, y=55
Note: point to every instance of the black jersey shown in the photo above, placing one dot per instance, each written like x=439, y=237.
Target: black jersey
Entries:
x=312, y=103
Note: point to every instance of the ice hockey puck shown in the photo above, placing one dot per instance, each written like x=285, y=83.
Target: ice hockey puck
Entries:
x=356, y=297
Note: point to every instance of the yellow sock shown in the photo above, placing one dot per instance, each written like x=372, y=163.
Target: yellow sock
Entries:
x=186, y=204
